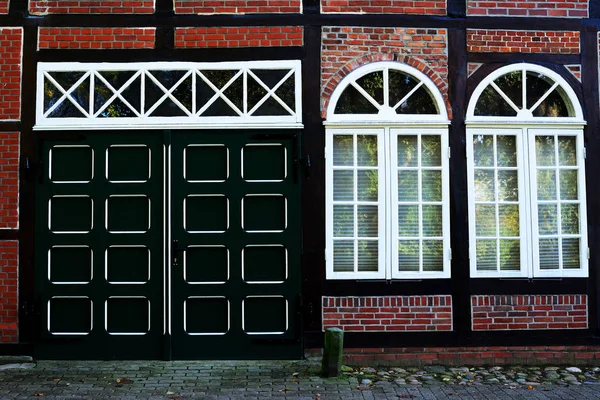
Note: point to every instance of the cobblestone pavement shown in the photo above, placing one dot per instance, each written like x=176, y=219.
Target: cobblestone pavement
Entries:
x=241, y=380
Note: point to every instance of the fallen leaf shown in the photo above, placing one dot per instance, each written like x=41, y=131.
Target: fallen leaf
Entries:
x=294, y=380
x=38, y=395
x=529, y=387
x=57, y=380
x=295, y=374
x=83, y=381
x=285, y=389
x=170, y=392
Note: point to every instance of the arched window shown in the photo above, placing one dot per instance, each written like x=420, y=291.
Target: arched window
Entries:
x=387, y=201
x=526, y=176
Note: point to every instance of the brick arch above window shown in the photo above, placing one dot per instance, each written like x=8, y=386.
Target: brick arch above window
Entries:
x=333, y=82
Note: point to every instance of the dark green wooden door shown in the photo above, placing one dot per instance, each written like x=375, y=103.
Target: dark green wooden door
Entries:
x=99, y=246
x=142, y=237
x=236, y=235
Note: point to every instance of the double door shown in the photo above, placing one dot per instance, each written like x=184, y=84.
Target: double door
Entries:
x=182, y=245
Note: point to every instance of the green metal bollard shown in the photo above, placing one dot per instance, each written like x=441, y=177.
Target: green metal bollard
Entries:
x=332, y=352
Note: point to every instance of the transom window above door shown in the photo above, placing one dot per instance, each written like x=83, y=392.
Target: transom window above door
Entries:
x=526, y=176
x=169, y=94
x=387, y=200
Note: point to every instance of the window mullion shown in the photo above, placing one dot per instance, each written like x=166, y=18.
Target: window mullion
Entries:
x=386, y=171
x=558, y=205
x=530, y=244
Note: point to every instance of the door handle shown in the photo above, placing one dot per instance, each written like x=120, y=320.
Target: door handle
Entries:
x=175, y=249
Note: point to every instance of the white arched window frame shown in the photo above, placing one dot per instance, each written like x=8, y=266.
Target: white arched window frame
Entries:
x=380, y=183
x=526, y=179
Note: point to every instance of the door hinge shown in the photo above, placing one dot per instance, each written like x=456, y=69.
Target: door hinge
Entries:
x=449, y=153
x=28, y=308
x=450, y=254
x=584, y=152
x=588, y=253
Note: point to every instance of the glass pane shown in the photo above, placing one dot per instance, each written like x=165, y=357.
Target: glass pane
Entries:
x=366, y=149
x=510, y=255
x=408, y=221
x=537, y=85
x=491, y=104
x=508, y=220
x=51, y=95
x=568, y=185
x=432, y=221
x=368, y=255
x=117, y=109
x=287, y=92
x=271, y=107
x=373, y=84
x=66, y=79
x=133, y=93
x=219, y=78
x=570, y=253
x=547, y=223
x=66, y=109
x=235, y=93
x=483, y=151
x=507, y=151
x=486, y=255
x=546, y=184
x=433, y=255
x=508, y=186
x=219, y=108
x=343, y=185
x=420, y=102
x=343, y=150
x=343, y=220
x=408, y=186
x=549, y=254
x=512, y=86
x=400, y=84
x=432, y=185
x=183, y=93
x=569, y=215
x=367, y=221
x=431, y=155
x=544, y=151
x=408, y=255
x=343, y=255
x=255, y=92
x=485, y=220
x=567, y=151
x=270, y=77
x=555, y=105
x=484, y=185
x=353, y=102
x=368, y=189
x=168, y=108
x=408, y=155
x=167, y=78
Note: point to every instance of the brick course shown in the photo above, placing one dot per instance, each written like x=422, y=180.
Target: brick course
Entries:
x=11, y=46
x=345, y=49
x=96, y=38
x=45, y=7
x=524, y=8
x=265, y=36
x=575, y=69
x=421, y=7
x=488, y=355
x=4, y=6
x=9, y=180
x=9, y=251
x=528, y=312
x=237, y=6
x=386, y=314
x=513, y=41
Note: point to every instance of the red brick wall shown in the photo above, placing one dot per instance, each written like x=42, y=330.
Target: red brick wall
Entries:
x=237, y=6
x=96, y=38
x=507, y=41
x=421, y=7
x=9, y=251
x=394, y=313
x=44, y=7
x=11, y=45
x=527, y=312
x=575, y=69
x=344, y=49
x=265, y=36
x=524, y=8
x=489, y=355
x=9, y=180
x=3, y=6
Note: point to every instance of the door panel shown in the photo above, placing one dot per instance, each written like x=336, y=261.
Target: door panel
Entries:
x=236, y=281
x=99, y=246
